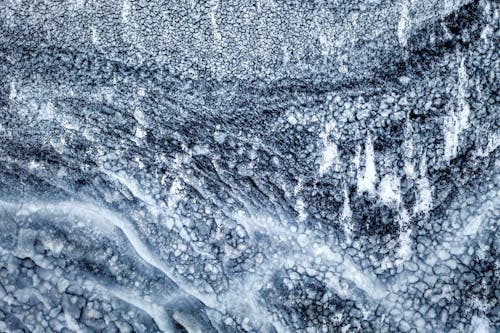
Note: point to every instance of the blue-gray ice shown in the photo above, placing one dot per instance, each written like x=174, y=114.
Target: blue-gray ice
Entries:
x=249, y=166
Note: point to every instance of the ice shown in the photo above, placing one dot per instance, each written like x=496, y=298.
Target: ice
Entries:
x=346, y=215
x=424, y=194
x=125, y=10
x=457, y=120
x=404, y=23
x=156, y=312
x=367, y=181
x=480, y=325
x=329, y=156
x=389, y=190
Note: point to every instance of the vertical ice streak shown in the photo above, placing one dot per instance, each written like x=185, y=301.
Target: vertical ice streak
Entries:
x=424, y=195
x=457, y=120
x=346, y=214
x=214, y=5
x=404, y=22
x=125, y=10
x=366, y=183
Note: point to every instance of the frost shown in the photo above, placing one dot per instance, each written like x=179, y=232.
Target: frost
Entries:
x=367, y=181
x=480, y=325
x=404, y=22
x=389, y=190
x=329, y=156
x=300, y=208
x=457, y=121
x=125, y=10
x=302, y=240
x=424, y=194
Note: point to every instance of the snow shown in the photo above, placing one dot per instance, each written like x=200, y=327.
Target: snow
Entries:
x=329, y=156
x=480, y=325
x=389, y=190
x=366, y=182
x=404, y=23
x=457, y=120
x=346, y=214
x=424, y=195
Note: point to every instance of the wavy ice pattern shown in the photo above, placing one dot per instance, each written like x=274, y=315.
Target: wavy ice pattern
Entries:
x=249, y=166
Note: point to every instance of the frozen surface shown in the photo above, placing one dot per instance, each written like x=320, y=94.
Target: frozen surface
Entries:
x=249, y=166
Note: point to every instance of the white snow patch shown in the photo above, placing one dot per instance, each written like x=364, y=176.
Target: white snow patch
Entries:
x=93, y=31
x=408, y=150
x=326, y=45
x=480, y=325
x=472, y=227
x=367, y=181
x=174, y=194
x=389, y=191
x=156, y=312
x=125, y=10
x=216, y=34
x=72, y=323
x=302, y=240
x=424, y=195
x=456, y=122
x=292, y=120
x=300, y=208
x=493, y=143
x=363, y=280
x=405, y=243
x=329, y=156
x=139, y=117
x=346, y=215
x=404, y=23
x=47, y=111
x=13, y=91
x=132, y=185
x=140, y=133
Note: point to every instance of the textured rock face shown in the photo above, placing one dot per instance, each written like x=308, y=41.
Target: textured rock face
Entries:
x=236, y=166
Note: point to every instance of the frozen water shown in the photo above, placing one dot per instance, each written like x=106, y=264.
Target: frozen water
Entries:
x=235, y=166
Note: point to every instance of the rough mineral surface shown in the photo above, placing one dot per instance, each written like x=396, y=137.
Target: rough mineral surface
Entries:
x=249, y=166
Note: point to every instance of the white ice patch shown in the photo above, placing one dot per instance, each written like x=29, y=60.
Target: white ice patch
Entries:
x=404, y=251
x=139, y=133
x=300, y=208
x=93, y=32
x=472, y=227
x=156, y=312
x=134, y=188
x=363, y=280
x=369, y=178
x=456, y=122
x=13, y=91
x=346, y=215
x=125, y=10
x=404, y=23
x=174, y=194
x=408, y=151
x=326, y=45
x=213, y=10
x=140, y=117
x=480, y=325
x=493, y=143
x=424, y=195
x=329, y=156
x=389, y=191
x=47, y=111
x=330, y=151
